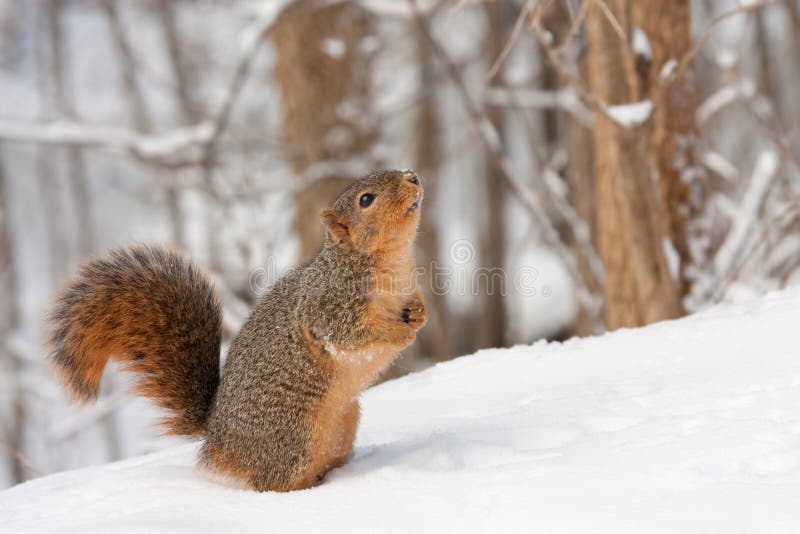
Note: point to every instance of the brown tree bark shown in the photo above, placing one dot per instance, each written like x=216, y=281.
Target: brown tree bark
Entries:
x=489, y=327
x=666, y=23
x=322, y=73
x=580, y=176
x=435, y=340
x=579, y=173
x=638, y=286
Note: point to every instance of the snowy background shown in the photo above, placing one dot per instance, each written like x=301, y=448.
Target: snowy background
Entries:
x=221, y=129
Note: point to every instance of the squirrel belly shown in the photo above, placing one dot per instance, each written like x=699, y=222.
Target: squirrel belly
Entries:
x=285, y=410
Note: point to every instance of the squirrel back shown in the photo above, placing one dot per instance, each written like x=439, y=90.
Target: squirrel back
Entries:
x=153, y=310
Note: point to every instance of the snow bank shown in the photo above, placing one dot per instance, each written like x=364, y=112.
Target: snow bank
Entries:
x=684, y=426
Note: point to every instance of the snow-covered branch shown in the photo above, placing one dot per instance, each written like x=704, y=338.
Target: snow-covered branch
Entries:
x=745, y=219
x=630, y=115
x=175, y=148
x=394, y=8
x=722, y=98
x=565, y=98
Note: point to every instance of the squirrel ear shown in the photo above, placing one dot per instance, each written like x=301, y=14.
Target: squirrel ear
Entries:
x=336, y=226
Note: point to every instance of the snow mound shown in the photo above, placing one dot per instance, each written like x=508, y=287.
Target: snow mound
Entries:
x=684, y=426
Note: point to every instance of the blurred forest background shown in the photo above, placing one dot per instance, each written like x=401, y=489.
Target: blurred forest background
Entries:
x=640, y=158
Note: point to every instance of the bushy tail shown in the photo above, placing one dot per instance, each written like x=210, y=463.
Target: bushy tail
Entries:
x=153, y=310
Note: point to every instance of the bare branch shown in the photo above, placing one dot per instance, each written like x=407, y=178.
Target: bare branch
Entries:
x=554, y=56
x=611, y=19
x=498, y=62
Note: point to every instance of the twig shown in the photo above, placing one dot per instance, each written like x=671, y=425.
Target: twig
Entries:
x=554, y=55
x=611, y=19
x=574, y=27
x=687, y=59
x=501, y=58
x=789, y=212
x=251, y=38
x=22, y=460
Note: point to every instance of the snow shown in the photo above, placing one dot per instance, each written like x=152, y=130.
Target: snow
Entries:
x=727, y=58
x=672, y=257
x=641, y=44
x=683, y=426
x=668, y=69
x=335, y=48
x=719, y=164
x=631, y=115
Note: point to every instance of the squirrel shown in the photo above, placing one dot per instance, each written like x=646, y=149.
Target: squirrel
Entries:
x=285, y=409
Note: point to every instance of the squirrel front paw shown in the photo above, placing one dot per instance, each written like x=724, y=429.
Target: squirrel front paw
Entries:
x=414, y=314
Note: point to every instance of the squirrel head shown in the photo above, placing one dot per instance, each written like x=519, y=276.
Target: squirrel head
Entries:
x=379, y=212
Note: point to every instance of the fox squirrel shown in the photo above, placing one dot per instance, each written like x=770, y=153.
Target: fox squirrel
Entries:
x=286, y=408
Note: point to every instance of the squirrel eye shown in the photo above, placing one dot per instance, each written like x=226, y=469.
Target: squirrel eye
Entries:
x=366, y=200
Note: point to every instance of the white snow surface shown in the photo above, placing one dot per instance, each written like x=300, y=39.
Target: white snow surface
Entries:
x=683, y=426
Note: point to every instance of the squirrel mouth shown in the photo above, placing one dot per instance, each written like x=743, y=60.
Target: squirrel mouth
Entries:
x=415, y=205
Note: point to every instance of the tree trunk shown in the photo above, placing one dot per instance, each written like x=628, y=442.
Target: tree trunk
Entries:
x=9, y=322
x=489, y=328
x=580, y=176
x=638, y=286
x=188, y=109
x=322, y=72
x=47, y=180
x=76, y=170
x=666, y=24
x=435, y=339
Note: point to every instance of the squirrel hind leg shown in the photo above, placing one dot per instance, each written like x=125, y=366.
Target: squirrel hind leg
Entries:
x=344, y=445
x=219, y=463
x=261, y=483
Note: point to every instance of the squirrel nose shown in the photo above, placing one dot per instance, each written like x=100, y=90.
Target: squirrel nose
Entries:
x=412, y=177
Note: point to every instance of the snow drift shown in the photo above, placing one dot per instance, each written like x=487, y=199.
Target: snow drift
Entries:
x=684, y=426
